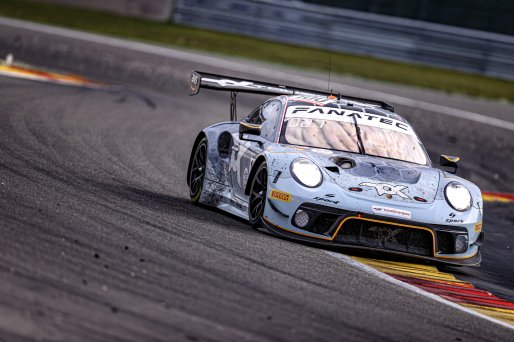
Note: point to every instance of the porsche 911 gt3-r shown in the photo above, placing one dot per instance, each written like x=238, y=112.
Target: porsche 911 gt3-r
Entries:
x=335, y=170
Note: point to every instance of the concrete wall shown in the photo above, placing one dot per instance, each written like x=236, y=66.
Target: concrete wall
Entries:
x=157, y=10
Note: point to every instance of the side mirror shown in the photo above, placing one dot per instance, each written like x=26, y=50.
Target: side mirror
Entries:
x=248, y=128
x=450, y=162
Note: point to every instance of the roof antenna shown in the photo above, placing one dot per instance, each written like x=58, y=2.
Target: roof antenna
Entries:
x=329, y=71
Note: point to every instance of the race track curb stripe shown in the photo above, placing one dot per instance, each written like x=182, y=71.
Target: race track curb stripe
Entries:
x=497, y=197
x=445, y=285
x=44, y=76
x=483, y=312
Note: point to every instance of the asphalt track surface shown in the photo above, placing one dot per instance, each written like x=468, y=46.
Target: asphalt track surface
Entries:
x=100, y=242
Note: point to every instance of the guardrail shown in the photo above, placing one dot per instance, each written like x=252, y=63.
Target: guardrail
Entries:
x=156, y=10
x=355, y=32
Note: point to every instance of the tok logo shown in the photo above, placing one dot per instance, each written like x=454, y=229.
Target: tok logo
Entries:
x=389, y=190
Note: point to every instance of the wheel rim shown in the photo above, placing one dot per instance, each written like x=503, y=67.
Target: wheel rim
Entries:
x=198, y=170
x=258, y=194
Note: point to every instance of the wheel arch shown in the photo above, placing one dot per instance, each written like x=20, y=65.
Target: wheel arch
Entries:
x=199, y=138
x=260, y=159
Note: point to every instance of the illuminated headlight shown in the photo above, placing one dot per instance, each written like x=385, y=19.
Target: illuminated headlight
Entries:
x=457, y=196
x=306, y=173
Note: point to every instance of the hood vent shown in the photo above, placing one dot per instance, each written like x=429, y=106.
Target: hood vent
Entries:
x=343, y=162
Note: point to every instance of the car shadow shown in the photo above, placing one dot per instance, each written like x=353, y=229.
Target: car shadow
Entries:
x=164, y=203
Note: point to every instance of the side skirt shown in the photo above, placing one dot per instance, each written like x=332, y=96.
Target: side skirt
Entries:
x=221, y=196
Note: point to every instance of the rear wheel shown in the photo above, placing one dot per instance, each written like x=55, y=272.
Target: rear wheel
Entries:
x=197, y=171
x=258, y=193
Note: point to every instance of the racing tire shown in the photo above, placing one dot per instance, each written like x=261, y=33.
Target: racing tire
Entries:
x=258, y=194
x=197, y=171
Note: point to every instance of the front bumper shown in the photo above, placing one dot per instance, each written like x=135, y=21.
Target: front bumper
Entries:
x=359, y=231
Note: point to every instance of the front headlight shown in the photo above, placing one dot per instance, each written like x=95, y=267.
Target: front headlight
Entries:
x=306, y=173
x=457, y=196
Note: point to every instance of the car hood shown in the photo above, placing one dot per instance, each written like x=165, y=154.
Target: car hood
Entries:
x=368, y=176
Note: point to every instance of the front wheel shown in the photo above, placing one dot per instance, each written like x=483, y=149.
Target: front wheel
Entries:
x=197, y=171
x=258, y=193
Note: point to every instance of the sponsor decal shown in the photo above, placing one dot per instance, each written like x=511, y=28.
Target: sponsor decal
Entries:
x=245, y=84
x=345, y=115
x=327, y=198
x=452, y=219
x=478, y=227
x=404, y=214
x=280, y=195
x=386, y=189
x=314, y=98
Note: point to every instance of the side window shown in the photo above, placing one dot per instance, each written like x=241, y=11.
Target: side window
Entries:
x=271, y=112
x=255, y=117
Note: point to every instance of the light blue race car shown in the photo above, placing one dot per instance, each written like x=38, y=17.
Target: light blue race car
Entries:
x=334, y=170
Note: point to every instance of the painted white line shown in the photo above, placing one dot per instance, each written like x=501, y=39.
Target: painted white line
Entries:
x=236, y=66
x=347, y=260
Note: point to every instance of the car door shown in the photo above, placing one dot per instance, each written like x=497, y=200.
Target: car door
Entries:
x=245, y=152
x=242, y=154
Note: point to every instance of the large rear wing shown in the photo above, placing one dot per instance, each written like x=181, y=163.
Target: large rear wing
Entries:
x=234, y=85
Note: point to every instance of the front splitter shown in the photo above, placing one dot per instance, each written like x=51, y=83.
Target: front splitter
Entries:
x=270, y=228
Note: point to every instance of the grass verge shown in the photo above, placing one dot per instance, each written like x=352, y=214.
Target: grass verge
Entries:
x=241, y=46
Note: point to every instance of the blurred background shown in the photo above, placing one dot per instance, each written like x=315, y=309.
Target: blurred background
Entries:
x=462, y=46
x=492, y=16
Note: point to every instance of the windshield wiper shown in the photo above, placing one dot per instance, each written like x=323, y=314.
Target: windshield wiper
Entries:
x=360, y=144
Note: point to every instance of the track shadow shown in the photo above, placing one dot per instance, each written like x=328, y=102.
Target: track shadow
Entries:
x=166, y=203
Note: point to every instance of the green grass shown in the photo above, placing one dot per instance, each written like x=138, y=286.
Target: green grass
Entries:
x=241, y=46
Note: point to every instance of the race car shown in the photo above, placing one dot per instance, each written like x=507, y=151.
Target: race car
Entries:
x=336, y=170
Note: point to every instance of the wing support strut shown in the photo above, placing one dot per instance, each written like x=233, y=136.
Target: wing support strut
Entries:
x=233, y=106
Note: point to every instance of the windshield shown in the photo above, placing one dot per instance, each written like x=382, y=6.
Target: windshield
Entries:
x=381, y=136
